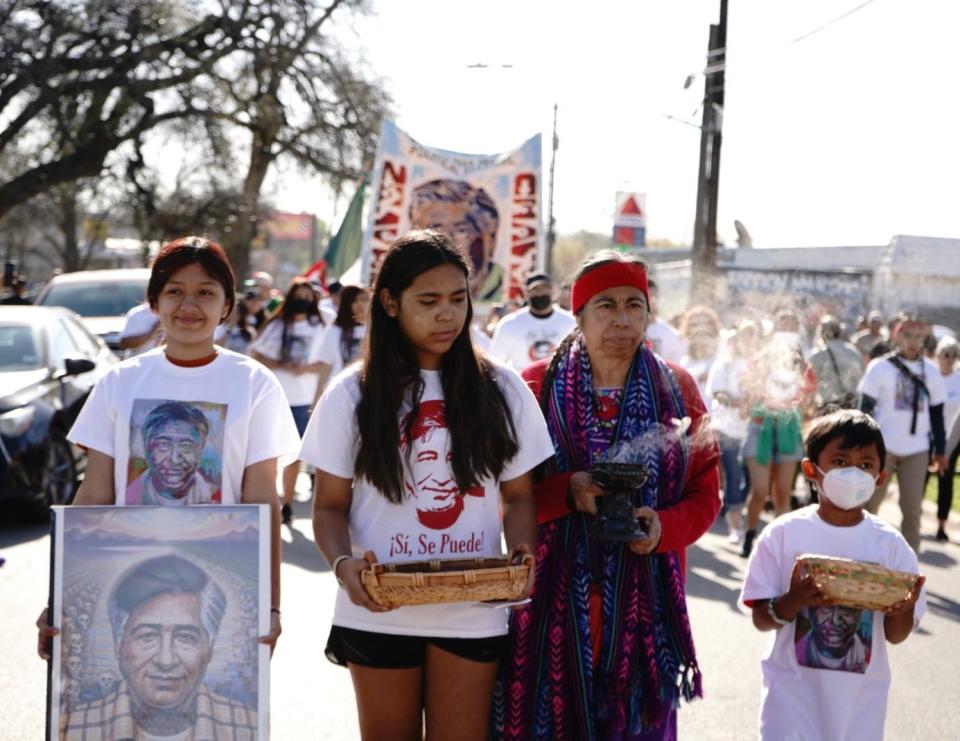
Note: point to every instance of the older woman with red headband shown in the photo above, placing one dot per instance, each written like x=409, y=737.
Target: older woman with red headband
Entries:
x=605, y=649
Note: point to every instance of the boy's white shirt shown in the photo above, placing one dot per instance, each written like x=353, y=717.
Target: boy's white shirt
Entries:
x=800, y=702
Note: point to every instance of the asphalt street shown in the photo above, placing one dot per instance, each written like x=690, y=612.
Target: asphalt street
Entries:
x=313, y=699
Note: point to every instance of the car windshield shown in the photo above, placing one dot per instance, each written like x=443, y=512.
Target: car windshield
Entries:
x=109, y=298
x=18, y=348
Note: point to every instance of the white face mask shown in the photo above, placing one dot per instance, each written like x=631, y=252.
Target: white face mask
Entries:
x=848, y=487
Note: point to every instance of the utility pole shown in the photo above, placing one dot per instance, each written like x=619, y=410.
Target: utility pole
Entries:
x=551, y=232
x=703, y=283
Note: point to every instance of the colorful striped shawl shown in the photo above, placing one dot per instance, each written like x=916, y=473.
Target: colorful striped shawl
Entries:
x=548, y=688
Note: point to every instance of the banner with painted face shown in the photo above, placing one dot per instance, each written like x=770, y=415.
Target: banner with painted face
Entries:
x=490, y=206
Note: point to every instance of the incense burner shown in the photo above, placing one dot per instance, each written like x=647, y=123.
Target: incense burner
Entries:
x=615, y=519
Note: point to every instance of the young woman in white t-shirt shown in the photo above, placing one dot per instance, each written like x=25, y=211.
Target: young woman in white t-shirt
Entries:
x=203, y=397
x=418, y=450
x=289, y=345
x=343, y=342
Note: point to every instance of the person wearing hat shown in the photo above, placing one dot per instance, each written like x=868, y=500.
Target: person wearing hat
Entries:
x=866, y=339
x=838, y=366
x=533, y=332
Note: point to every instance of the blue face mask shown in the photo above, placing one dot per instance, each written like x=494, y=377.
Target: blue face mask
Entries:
x=848, y=487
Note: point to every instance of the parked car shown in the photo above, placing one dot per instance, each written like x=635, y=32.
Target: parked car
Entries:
x=49, y=362
x=101, y=297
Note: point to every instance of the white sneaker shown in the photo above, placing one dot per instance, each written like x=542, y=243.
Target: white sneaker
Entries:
x=734, y=537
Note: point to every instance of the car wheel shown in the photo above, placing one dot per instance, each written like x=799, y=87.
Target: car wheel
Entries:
x=58, y=482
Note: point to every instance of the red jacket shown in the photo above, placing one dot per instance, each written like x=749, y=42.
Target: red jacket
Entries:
x=684, y=522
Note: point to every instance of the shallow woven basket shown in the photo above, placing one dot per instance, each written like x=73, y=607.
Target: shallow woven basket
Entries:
x=855, y=584
x=432, y=582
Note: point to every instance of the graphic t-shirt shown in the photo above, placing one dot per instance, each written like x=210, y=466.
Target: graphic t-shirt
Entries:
x=338, y=352
x=303, y=342
x=826, y=675
x=895, y=393
x=521, y=338
x=185, y=435
x=435, y=520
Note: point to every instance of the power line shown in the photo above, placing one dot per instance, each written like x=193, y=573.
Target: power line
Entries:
x=850, y=12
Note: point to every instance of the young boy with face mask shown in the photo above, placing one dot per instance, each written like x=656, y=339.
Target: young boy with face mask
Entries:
x=826, y=673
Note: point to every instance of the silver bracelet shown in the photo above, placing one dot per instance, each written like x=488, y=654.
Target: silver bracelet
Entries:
x=336, y=563
x=772, y=612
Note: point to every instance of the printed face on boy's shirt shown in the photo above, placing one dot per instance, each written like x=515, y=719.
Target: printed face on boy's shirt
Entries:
x=430, y=480
x=833, y=629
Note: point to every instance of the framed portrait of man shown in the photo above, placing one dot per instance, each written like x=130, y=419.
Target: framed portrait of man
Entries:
x=160, y=610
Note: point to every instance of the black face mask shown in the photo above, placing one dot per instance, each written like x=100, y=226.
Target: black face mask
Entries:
x=301, y=305
x=540, y=303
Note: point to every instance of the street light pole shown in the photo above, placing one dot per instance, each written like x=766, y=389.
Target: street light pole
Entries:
x=703, y=283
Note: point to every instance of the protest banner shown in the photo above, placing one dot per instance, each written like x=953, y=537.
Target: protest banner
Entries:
x=489, y=204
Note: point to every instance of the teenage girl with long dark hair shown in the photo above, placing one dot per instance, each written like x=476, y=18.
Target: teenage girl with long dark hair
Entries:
x=289, y=344
x=418, y=449
x=191, y=388
x=342, y=343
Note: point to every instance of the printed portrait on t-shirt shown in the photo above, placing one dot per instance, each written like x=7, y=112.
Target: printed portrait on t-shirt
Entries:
x=540, y=348
x=904, y=393
x=176, y=452
x=837, y=638
x=428, y=477
x=297, y=347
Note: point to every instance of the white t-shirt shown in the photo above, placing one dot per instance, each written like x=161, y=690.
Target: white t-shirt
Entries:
x=667, y=343
x=951, y=407
x=140, y=320
x=894, y=393
x=699, y=369
x=521, y=338
x=192, y=431
x=332, y=351
x=725, y=377
x=829, y=682
x=305, y=340
x=435, y=519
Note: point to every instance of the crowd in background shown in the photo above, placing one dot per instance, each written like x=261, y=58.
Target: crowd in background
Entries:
x=765, y=375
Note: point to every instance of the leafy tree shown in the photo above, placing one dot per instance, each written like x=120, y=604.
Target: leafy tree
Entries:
x=80, y=79
x=572, y=248
x=296, y=95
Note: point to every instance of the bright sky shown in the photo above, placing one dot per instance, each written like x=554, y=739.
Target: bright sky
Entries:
x=846, y=137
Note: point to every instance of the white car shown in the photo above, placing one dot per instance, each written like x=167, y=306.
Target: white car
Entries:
x=101, y=298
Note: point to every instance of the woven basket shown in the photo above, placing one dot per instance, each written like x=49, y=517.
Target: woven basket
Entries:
x=433, y=582
x=855, y=584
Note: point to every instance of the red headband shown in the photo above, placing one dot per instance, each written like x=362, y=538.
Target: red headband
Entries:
x=608, y=276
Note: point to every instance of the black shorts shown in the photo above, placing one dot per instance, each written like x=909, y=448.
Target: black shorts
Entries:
x=385, y=651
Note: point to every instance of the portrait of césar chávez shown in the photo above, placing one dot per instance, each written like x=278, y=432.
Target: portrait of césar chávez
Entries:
x=469, y=216
x=165, y=614
x=174, y=436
